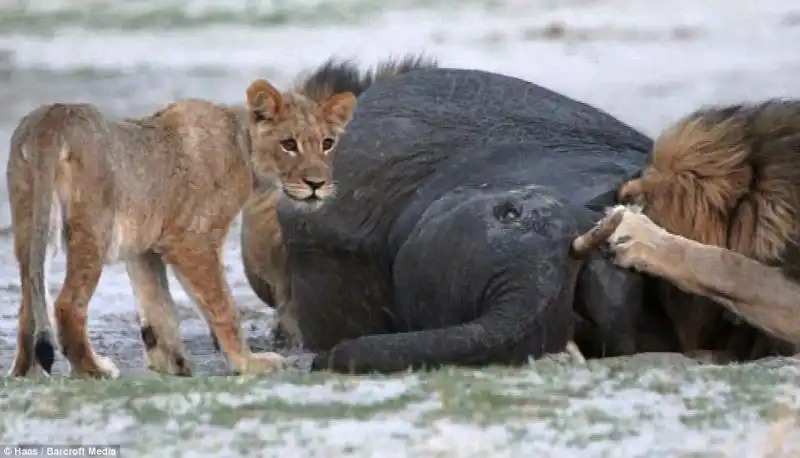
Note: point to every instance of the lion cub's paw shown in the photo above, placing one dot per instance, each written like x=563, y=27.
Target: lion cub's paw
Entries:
x=35, y=372
x=259, y=363
x=636, y=238
x=169, y=362
x=105, y=367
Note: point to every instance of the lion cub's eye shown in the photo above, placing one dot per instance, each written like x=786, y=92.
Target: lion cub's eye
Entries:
x=289, y=145
x=327, y=144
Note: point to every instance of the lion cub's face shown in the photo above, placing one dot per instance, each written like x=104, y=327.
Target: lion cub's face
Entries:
x=294, y=138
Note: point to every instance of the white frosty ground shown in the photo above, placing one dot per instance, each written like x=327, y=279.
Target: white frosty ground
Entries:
x=643, y=410
x=646, y=61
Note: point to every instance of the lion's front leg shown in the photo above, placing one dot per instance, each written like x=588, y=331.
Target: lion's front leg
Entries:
x=197, y=261
x=640, y=244
x=158, y=318
x=264, y=261
x=758, y=293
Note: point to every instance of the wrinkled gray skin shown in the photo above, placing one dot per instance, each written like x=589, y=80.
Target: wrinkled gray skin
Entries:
x=448, y=241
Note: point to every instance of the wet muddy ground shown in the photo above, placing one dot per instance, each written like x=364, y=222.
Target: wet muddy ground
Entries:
x=113, y=325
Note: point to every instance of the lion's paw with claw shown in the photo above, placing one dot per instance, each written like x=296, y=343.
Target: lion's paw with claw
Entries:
x=635, y=242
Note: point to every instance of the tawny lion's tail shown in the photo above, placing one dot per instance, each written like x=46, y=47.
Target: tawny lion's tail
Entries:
x=45, y=146
x=336, y=76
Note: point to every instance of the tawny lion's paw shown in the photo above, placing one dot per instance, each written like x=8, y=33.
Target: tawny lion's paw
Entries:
x=623, y=208
x=37, y=371
x=169, y=362
x=635, y=239
x=105, y=367
x=259, y=363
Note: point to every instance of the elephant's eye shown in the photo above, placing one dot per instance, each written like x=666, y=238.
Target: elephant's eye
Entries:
x=507, y=212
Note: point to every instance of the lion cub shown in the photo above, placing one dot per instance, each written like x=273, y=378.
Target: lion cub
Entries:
x=310, y=143
x=149, y=192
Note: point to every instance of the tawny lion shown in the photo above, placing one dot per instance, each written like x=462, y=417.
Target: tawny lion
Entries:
x=150, y=192
x=721, y=219
x=263, y=253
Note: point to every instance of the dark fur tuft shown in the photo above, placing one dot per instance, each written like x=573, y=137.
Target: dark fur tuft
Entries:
x=45, y=351
x=336, y=76
x=149, y=337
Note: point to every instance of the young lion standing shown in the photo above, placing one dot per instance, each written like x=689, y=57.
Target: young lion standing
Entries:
x=150, y=192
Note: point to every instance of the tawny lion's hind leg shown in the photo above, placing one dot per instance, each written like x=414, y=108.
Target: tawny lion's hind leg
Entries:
x=32, y=355
x=24, y=356
x=160, y=328
x=203, y=274
x=85, y=256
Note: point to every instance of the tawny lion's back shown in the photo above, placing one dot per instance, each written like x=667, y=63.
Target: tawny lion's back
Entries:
x=79, y=129
x=55, y=119
x=46, y=137
x=203, y=138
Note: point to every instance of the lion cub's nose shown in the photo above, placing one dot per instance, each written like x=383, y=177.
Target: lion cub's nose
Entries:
x=314, y=183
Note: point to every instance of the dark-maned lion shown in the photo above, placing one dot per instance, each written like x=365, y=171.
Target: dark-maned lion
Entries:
x=725, y=177
x=154, y=191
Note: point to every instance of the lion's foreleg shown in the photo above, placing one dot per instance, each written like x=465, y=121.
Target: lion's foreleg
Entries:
x=202, y=273
x=759, y=294
x=264, y=261
x=158, y=318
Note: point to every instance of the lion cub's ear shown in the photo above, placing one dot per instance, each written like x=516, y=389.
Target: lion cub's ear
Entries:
x=263, y=100
x=339, y=108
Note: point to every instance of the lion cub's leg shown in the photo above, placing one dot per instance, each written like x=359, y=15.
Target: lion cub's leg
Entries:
x=27, y=352
x=86, y=248
x=198, y=263
x=23, y=358
x=264, y=260
x=157, y=315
